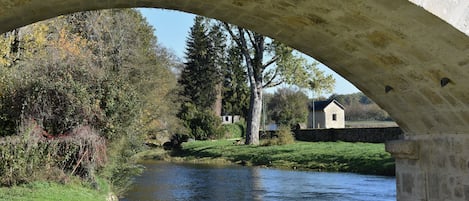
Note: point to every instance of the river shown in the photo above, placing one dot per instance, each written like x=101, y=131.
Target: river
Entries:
x=192, y=182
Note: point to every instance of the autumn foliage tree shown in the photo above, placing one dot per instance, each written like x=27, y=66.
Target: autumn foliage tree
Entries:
x=99, y=69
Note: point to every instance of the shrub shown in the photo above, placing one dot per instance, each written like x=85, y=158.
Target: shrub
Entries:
x=31, y=156
x=121, y=168
x=235, y=130
x=283, y=136
x=176, y=142
x=202, y=124
x=59, y=95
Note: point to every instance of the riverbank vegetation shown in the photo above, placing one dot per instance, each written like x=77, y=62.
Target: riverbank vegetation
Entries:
x=79, y=95
x=365, y=158
x=227, y=69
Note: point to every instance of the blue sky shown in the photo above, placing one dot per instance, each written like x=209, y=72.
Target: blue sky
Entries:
x=172, y=28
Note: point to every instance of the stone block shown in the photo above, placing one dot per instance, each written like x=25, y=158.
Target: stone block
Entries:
x=403, y=149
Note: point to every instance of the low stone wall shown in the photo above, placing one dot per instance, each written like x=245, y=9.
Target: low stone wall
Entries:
x=372, y=135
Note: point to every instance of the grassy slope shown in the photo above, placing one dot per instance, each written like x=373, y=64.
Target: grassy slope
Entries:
x=364, y=158
x=369, y=124
x=44, y=191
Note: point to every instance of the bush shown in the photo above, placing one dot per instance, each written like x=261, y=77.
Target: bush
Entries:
x=176, y=142
x=202, y=124
x=61, y=93
x=32, y=156
x=58, y=95
x=236, y=130
x=283, y=136
x=121, y=168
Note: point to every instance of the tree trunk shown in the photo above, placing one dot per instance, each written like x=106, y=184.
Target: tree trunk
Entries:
x=254, y=117
x=15, y=50
x=217, y=105
x=254, y=72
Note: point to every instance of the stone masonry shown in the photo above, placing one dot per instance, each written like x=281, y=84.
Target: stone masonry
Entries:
x=433, y=167
x=410, y=56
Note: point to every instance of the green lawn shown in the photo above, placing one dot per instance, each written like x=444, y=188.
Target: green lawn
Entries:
x=364, y=158
x=45, y=191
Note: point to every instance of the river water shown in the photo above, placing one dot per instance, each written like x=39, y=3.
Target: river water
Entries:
x=192, y=182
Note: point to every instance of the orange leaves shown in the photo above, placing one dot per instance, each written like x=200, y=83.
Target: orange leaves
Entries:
x=43, y=38
x=70, y=45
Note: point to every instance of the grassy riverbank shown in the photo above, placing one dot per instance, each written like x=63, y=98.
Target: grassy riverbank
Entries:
x=46, y=191
x=366, y=158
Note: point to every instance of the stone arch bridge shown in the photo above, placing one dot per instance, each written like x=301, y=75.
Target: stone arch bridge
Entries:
x=409, y=56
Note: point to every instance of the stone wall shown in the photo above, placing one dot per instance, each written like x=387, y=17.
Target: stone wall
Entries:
x=373, y=135
x=431, y=167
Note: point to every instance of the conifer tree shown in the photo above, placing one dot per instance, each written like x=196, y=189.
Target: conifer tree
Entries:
x=235, y=88
x=198, y=78
x=199, y=81
x=218, y=40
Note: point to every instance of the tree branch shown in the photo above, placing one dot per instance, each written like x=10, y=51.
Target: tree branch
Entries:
x=271, y=61
x=233, y=36
x=241, y=42
x=268, y=83
x=251, y=39
x=273, y=85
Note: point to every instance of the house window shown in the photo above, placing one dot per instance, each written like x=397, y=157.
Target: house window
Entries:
x=334, y=117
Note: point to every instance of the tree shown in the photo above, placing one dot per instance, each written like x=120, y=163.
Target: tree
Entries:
x=99, y=69
x=281, y=66
x=136, y=94
x=200, y=81
x=218, y=41
x=124, y=45
x=288, y=107
x=235, y=88
x=199, y=77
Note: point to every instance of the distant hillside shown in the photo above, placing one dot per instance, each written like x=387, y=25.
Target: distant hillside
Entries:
x=359, y=107
x=370, y=124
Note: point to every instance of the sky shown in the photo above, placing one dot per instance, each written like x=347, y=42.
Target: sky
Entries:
x=172, y=28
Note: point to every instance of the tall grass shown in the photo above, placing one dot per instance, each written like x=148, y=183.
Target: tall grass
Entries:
x=30, y=156
x=284, y=136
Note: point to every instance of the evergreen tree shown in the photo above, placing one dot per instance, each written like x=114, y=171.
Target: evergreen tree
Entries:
x=218, y=41
x=236, y=90
x=199, y=83
x=199, y=77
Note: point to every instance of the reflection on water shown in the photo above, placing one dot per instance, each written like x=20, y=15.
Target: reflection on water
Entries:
x=168, y=182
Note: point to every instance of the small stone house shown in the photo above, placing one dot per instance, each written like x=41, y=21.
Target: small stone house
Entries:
x=230, y=119
x=326, y=114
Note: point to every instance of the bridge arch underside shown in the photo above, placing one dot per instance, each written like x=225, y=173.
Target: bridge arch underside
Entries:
x=414, y=64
